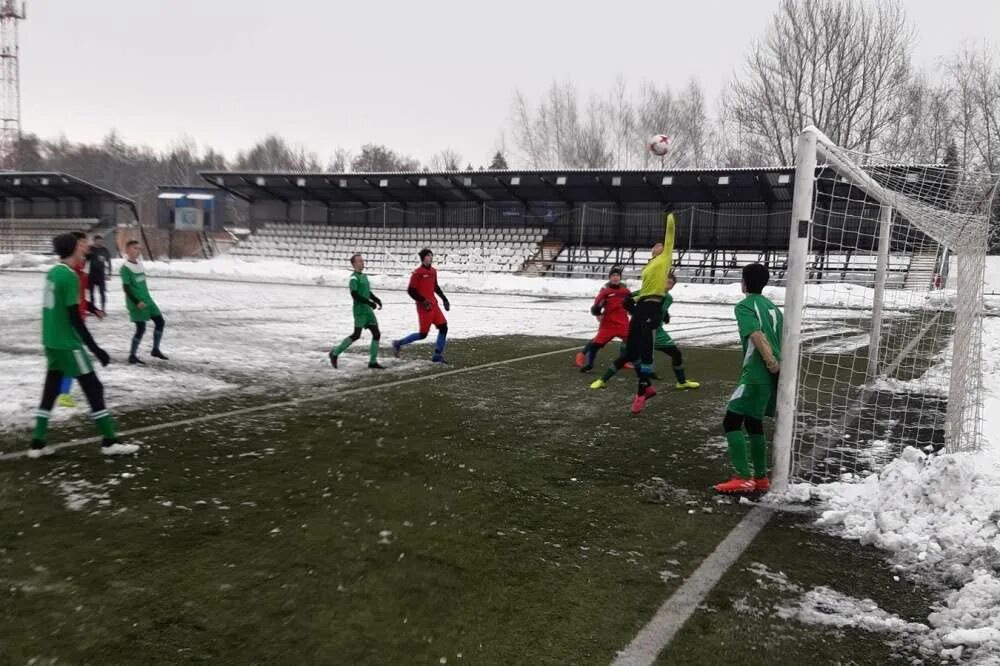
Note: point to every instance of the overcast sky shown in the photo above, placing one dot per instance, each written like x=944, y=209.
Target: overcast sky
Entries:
x=417, y=76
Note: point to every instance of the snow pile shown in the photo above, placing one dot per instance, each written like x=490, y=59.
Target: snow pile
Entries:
x=827, y=607
x=24, y=260
x=939, y=518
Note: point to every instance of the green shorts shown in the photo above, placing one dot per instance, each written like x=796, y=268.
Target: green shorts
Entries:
x=753, y=400
x=145, y=313
x=69, y=362
x=663, y=339
x=365, y=318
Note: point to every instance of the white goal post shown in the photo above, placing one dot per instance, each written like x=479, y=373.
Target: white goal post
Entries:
x=883, y=306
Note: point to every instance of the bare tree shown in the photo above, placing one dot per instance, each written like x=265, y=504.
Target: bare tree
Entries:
x=341, y=160
x=841, y=65
x=612, y=130
x=657, y=113
x=274, y=154
x=375, y=158
x=924, y=130
x=446, y=160
x=695, y=125
x=621, y=125
x=974, y=77
x=554, y=134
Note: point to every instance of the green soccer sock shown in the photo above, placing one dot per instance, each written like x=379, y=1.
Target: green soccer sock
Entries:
x=758, y=453
x=373, y=351
x=41, y=424
x=679, y=373
x=347, y=342
x=104, y=424
x=738, y=453
x=608, y=374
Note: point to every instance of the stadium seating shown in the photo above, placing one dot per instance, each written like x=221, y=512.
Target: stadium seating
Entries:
x=697, y=266
x=34, y=236
x=512, y=250
x=394, y=249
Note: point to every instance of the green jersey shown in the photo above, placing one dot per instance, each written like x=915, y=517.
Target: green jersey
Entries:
x=756, y=313
x=359, y=285
x=134, y=284
x=62, y=290
x=668, y=300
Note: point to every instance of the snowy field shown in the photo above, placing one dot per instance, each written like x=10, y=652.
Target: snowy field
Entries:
x=230, y=328
x=231, y=336
x=227, y=334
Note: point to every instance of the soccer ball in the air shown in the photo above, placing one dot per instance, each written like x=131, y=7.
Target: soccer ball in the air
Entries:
x=659, y=145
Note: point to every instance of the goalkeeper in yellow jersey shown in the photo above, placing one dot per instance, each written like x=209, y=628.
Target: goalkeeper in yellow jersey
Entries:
x=662, y=342
x=646, y=315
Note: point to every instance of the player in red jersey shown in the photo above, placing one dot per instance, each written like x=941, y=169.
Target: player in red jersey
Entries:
x=609, y=308
x=423, y=289
x=65, y=397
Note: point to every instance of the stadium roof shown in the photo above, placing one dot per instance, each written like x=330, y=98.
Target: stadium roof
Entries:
x=53, y=186
x=569, y=186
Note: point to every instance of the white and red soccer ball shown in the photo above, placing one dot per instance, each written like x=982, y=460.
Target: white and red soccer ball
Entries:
x=659, y=145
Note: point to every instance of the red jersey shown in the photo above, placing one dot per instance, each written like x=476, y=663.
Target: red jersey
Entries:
x=424, y=281
x=84, y=279
x=613, y=301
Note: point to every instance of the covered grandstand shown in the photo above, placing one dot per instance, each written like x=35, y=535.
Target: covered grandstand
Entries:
x=559, y=222
x=35, y=206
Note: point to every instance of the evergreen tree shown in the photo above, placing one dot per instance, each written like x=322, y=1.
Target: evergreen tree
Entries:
x=499, y=162
x=951, y=155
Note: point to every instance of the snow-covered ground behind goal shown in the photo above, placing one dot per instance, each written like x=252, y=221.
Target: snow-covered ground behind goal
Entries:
x=939, y=519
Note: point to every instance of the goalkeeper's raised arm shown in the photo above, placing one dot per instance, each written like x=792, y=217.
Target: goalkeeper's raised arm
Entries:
x=654, y=275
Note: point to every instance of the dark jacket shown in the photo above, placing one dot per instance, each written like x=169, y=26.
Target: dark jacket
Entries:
x=99, y=264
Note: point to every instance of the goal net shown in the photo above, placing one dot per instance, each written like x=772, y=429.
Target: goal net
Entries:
x=884, y=297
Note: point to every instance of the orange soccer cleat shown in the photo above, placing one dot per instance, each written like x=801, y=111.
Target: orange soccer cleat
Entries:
x=735, y=486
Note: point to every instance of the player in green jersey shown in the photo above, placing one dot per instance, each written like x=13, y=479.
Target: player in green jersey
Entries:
x=365, y=303
x=140, y=304
x=760, y=323
x=64, y=336
x=662, y=342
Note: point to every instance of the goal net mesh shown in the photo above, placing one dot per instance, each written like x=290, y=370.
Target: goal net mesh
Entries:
x=892, y=316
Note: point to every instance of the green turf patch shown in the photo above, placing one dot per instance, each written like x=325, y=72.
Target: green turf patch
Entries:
x=507, y=515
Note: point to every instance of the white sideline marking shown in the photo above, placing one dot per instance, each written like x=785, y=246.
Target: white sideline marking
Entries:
x=681, y=605
x=293, y=402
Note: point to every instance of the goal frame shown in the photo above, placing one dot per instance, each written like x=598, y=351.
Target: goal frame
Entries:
x=813, y=146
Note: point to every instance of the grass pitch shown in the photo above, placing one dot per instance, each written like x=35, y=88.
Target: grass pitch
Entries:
x=504, y=515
